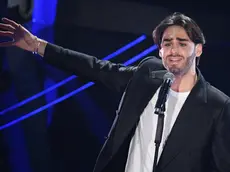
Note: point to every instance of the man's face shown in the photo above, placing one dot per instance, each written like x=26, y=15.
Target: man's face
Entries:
x=177, y=51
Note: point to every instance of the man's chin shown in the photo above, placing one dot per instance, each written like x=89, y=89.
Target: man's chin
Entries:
x=175, y=71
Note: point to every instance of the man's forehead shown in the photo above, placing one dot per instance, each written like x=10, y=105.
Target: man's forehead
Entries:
x=174, y=32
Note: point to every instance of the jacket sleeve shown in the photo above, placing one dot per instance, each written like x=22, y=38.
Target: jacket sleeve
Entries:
x=221, y=142
x=114, y=76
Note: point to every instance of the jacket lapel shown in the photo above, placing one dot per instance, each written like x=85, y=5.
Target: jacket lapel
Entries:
x=140, y=92
x=189, y=117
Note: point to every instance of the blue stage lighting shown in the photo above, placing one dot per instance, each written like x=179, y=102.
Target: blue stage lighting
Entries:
x=89, y=84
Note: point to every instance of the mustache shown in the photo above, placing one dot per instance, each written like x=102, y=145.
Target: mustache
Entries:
x=177, y=55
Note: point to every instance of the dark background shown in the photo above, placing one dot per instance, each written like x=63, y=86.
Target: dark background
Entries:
x=68, y=136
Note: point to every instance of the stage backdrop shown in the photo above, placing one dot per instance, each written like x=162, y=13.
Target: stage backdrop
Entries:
x=65, y=128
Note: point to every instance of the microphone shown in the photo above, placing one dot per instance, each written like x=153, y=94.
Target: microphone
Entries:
x=163, y=93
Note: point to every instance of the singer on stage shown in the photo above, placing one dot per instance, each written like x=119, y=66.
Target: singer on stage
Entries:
x=195, y=115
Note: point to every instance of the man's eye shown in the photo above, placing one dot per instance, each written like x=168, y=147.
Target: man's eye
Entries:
x=167, y=45
x=182, y=44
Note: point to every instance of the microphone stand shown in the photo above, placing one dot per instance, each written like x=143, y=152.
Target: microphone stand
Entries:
x=159, y=131
x=159, y=110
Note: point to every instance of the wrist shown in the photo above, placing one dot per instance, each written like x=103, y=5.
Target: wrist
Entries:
x=39, y=46
x=36, y=45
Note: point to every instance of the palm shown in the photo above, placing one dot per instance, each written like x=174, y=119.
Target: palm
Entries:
x=21, y=37
x=24, y=39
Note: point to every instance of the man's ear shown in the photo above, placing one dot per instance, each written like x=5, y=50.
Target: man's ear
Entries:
x=199, y=50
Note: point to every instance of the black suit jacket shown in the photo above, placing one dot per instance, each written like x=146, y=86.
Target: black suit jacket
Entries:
x=199, y=140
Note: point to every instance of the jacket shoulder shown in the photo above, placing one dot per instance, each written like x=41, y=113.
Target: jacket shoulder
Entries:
x=216, y=96
x=151, y=62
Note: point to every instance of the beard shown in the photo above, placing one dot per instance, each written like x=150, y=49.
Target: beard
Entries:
x=182, y=70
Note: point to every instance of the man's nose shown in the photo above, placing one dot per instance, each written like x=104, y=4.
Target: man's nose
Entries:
x=174, y=50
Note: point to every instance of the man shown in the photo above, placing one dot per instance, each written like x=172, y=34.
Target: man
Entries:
x=197, y=116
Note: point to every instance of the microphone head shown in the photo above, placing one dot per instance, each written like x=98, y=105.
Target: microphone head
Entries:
x=169, y=76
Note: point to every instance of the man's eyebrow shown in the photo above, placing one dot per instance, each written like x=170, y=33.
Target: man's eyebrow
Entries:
x=170, y=39
x=167, y=40
x=182, y=39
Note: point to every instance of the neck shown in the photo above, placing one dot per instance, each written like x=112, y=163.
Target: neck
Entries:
x=184, y=83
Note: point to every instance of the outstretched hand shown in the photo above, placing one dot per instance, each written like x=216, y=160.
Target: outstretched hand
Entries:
x=20, y=36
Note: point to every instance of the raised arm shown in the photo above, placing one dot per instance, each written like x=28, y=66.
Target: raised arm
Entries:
x=115, y=76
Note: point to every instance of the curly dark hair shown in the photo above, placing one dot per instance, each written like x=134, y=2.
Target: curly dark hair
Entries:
x=192, y=29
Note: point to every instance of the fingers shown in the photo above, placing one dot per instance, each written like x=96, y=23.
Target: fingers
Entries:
x=6, y=44
x=7, y=27
x=10, y=29
x=10, y=22
x=6, y=33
